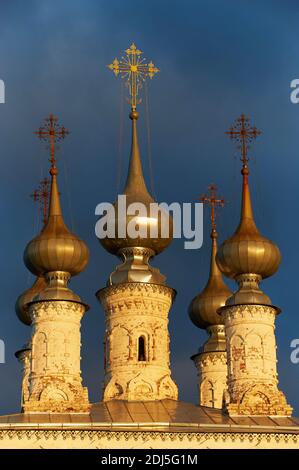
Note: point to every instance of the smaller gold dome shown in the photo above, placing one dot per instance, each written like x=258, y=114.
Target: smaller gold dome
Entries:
x=24, y=299
x=247, y=251
x=56, y=248
x=203, y=308
x=136, y=192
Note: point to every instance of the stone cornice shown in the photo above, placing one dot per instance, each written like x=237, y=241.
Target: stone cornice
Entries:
x=74, y=437
x=136, y=286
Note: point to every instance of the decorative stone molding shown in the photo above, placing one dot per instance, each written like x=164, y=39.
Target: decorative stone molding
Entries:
x=129, y=439
x=137, y=364
x=55, y=378
x=133, y=287
x=251, y=357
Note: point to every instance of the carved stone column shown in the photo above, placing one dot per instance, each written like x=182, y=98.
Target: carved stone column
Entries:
x=137, y=342
x=212, y=368
x=251, y=357
x=55, y=379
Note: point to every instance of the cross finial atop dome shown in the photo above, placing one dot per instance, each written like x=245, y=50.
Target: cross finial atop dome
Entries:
x=212, y=200
x=243, y=133
x=51, y=132
x=41, y=195
x=135, y=70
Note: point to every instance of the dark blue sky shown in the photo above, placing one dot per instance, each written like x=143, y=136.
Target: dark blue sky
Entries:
x=217, y=59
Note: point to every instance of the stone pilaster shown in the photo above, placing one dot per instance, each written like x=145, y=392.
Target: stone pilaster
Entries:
x=55, y=378
x=251, y=358
x=137, y=355
x=24, y=357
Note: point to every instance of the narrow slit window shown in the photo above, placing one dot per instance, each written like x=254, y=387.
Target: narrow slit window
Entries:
x=141, y=349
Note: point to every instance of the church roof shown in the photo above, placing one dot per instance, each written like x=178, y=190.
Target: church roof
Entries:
x=152, y=415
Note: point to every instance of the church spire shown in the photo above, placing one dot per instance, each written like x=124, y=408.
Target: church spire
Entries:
x=243, y=134
x=136, y=350
x=210, y=360
x=56, y=248
x=249, y=316
x=136, y=251
x=134, y=70
x=247, y=251
x=52, y=133
x=55, y=384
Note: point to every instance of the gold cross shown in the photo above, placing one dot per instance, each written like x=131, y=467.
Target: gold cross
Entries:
x=52, y=133
x=243, y=133
x=134, y=70
x=212, y=200
x=41, y=195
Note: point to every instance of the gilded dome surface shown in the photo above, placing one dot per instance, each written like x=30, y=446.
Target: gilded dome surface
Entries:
x=56, y=248
x=136, y=192
x=203, y=308
x=247, y=251
x=24, y=299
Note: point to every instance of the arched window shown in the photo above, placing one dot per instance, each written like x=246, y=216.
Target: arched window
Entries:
x=141, y=349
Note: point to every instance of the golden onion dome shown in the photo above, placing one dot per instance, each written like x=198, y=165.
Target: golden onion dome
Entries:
x=203, y=308
x=136, y=192
x=247, y=251
x=24, y=299
x=24, y=352
x=56, y=248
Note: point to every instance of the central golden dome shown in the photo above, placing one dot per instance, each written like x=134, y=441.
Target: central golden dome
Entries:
x=136, y=192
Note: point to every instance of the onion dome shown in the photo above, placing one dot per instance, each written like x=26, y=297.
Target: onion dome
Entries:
x=203, y=308
x=136, y=192
x=142, y=233
x=24, y=351
x=56, y=248
x=247, y=251
x=24, y=299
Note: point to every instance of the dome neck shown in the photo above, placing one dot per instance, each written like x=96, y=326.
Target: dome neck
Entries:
x=136, y=268
x=135, y=183
x=57, y=288
x=58, y=279
x=249, y=291
x=216, y=340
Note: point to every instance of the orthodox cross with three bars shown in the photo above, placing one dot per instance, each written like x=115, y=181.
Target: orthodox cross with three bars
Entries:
x=134, y=70
x=243, y=133
x=51, y=132
x=212, y=200
x=41, y=195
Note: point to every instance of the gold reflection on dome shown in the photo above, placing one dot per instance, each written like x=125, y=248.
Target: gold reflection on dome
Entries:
x=55, y=248
x=24, y=299
x=247, y=251
x=203, y=308
x=134, y=70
